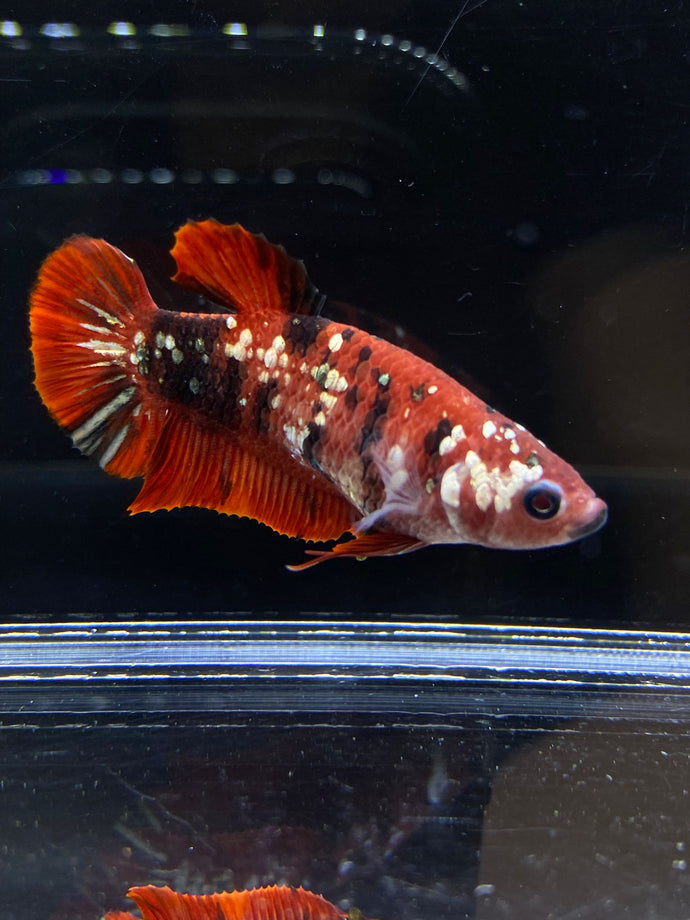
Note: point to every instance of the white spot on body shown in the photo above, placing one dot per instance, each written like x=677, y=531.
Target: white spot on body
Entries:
x=483, y=495
x=270, y=358
x=139, y=338
x=263, y=377
x=294, y=436
x=177, y=356
x=160, y=340
x=278, y=344
x=508, y=434
x=246, y=338
x=385, y=379
x=328, y=401
x=276, y=401
x=230, y=322
x=450, y=486
x=332, y=378
x=194, y=385
x=260, y=352
x=320, y=419
x=169, y=342
x=341, y=385
x=447, y=444
x=283, y=360
x=335, y=343
x=458, y=433
x=514, y=447
x=489, y=429
x=236, y=351
x=432, y=389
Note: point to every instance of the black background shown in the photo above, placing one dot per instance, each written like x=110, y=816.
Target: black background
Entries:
x=530, y=229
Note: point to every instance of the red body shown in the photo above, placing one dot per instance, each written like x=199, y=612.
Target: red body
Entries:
x=312, y=427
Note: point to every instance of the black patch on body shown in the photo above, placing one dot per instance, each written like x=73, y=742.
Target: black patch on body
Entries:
x=371, y=430
x=417, y=393
x=352, y=397
x=310, y=446
x=302, y=331
x=262, y=405
x=199, y=380
x=347, y=334
x=434, y=436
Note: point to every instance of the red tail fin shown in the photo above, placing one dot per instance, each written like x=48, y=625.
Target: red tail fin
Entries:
x=90, y=309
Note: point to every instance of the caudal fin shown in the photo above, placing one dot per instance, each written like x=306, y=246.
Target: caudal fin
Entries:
x=90, y=310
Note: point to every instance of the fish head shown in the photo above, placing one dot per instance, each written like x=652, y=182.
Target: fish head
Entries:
x=529, y=500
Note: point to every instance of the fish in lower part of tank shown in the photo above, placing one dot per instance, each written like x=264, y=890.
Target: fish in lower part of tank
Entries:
x=318, y=429
x=274, y=902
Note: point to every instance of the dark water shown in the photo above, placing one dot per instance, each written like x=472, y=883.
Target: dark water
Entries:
x=518, y=202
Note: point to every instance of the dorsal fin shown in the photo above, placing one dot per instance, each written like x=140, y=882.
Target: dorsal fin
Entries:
x=241, y=269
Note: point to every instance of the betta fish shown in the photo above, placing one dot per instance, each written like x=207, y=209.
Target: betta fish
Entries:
x=270, y=411
x=274, y=902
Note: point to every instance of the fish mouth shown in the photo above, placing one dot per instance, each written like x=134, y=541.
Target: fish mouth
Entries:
x=596, y=516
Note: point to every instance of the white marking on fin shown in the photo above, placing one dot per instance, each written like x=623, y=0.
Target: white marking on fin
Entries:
x=108, y=317
x=110, y=291
x=90, y=425
x=114, y=446
x=109, y=381
x=103, y=348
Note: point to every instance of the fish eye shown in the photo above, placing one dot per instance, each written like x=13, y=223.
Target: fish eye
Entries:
x=543, y=500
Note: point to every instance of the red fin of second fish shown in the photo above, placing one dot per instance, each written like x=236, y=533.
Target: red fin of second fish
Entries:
x=240, y=269
x=275, y=902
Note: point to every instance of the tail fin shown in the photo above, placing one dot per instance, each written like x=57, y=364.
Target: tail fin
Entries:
x=90, y=311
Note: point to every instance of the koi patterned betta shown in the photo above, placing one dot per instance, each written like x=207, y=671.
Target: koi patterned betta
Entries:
x=315, y=428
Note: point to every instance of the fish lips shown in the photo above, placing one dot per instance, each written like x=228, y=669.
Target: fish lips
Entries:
x=594, y=518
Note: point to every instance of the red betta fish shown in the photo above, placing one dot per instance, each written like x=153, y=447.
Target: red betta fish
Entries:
x=315, y=428
x=275, y=902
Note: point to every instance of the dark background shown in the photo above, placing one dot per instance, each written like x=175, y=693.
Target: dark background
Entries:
x=529, y=225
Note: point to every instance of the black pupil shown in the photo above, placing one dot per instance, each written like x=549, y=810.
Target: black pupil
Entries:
x=542, y=502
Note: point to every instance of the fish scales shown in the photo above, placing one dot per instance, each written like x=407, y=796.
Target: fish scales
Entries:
x=313, y=427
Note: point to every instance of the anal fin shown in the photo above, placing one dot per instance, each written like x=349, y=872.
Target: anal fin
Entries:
x=206, y=467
